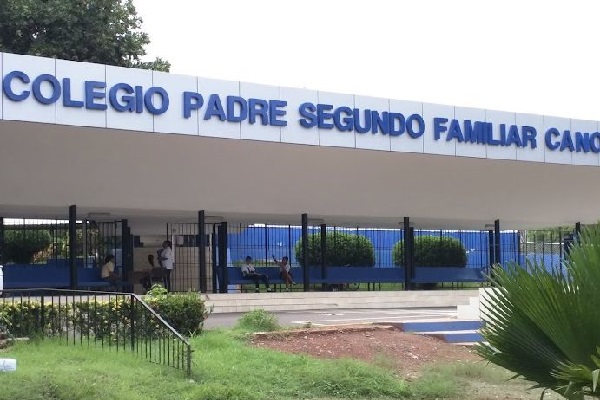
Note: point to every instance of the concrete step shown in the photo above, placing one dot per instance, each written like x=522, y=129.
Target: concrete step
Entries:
x=463, y=332
x=457, y=337
x=440, y=326
x=290, y=301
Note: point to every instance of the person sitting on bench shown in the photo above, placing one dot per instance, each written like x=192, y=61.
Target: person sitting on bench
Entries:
x=249, y=272
x=108, y=273
x=284, y=272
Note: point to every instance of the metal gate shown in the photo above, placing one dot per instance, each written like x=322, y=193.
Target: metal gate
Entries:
x=190, y=271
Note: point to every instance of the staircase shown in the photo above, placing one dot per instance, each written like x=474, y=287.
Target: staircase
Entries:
x=456, y=332
x=291, y=301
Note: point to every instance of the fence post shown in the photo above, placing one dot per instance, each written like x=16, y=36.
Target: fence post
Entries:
x=202, y=252
x=323, y=254
x=189, y=360
x=132, y=319
x=1, y=240
x=222, y=234
x=408, y=258
x=305, y=251
x=73, y=246
x=498, y=242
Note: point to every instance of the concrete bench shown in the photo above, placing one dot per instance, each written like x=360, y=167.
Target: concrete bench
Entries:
x=448, y=275
x=235, y=277
x=54, y=275
x=369, y=275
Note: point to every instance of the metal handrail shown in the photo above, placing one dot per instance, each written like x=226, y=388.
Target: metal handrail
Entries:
x=92, y=317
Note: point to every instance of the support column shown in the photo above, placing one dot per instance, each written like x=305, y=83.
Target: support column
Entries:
x=1, y=241
x=72, y=247
x=491, y=252
x=202, y=284
x=305, y=251
x=224, y=281
x=498, y=242
x=127, y=254
x=408, y=258
x=214, y=240
x=323, y=254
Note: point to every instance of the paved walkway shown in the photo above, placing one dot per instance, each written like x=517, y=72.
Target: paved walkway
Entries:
x=329, y=317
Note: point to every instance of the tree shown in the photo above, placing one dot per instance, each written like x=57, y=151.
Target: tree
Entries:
x=99, y=31
x=433, y=251
x=342, y=250
x=545, y=326
x=21, y=245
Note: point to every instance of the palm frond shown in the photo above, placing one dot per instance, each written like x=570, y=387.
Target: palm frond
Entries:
x=545, y=326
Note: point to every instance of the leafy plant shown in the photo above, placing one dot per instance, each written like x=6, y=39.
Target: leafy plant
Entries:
x=32, y=318
x=433, y=251
x=546, y=327
x=21, y=245
x=342, y=249
x=185, y=312
x=259, y=320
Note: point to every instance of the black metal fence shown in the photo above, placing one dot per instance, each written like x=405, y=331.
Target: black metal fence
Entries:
x=261, y=241
x=40, y=241
x=116, y=322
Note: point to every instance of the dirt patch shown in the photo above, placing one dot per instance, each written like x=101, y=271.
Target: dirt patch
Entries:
x=409, y=355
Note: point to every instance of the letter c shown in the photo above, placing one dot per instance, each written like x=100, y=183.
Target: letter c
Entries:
x=23, y=77
x=548, y=138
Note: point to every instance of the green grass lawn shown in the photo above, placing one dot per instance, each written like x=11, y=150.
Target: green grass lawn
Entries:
x=224, y=367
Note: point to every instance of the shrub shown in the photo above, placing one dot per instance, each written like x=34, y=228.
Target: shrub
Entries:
x=343, y=249
x=432, y=251
x=21, y=245
x=184, y=312
x=30, y=318
x=258, y=321
x=105, y=319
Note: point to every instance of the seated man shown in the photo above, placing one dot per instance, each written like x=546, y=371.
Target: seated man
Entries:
x=108, y=272
x=249, y=273
x=153, y=274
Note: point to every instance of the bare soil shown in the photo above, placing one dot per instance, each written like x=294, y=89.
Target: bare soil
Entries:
x=407, y=354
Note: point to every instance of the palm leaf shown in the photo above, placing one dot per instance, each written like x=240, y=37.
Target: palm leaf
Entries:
x=544, y=326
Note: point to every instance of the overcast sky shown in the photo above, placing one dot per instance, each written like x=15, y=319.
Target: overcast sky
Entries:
x=524, y=56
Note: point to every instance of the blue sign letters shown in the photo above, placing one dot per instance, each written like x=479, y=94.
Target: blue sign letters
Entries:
x=46, y=89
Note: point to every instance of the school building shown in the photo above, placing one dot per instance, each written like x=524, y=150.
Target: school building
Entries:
x=150, y=155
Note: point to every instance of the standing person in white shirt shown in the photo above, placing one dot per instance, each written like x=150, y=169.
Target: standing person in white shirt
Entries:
x=167, y=259
x=249, y=272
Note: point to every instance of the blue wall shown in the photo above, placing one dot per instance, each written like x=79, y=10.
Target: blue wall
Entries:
x=260, y=243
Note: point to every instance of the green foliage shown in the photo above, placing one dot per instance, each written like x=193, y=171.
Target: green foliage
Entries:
x=110, y=320
x=99, y=31
x=31, y=319
x=545, y=327
x=185, y=312
x=21, y=245
x=259, y=320
x=342, y=249
x=433, y=251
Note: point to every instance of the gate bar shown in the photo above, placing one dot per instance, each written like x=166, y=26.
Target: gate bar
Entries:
x=202, y=252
